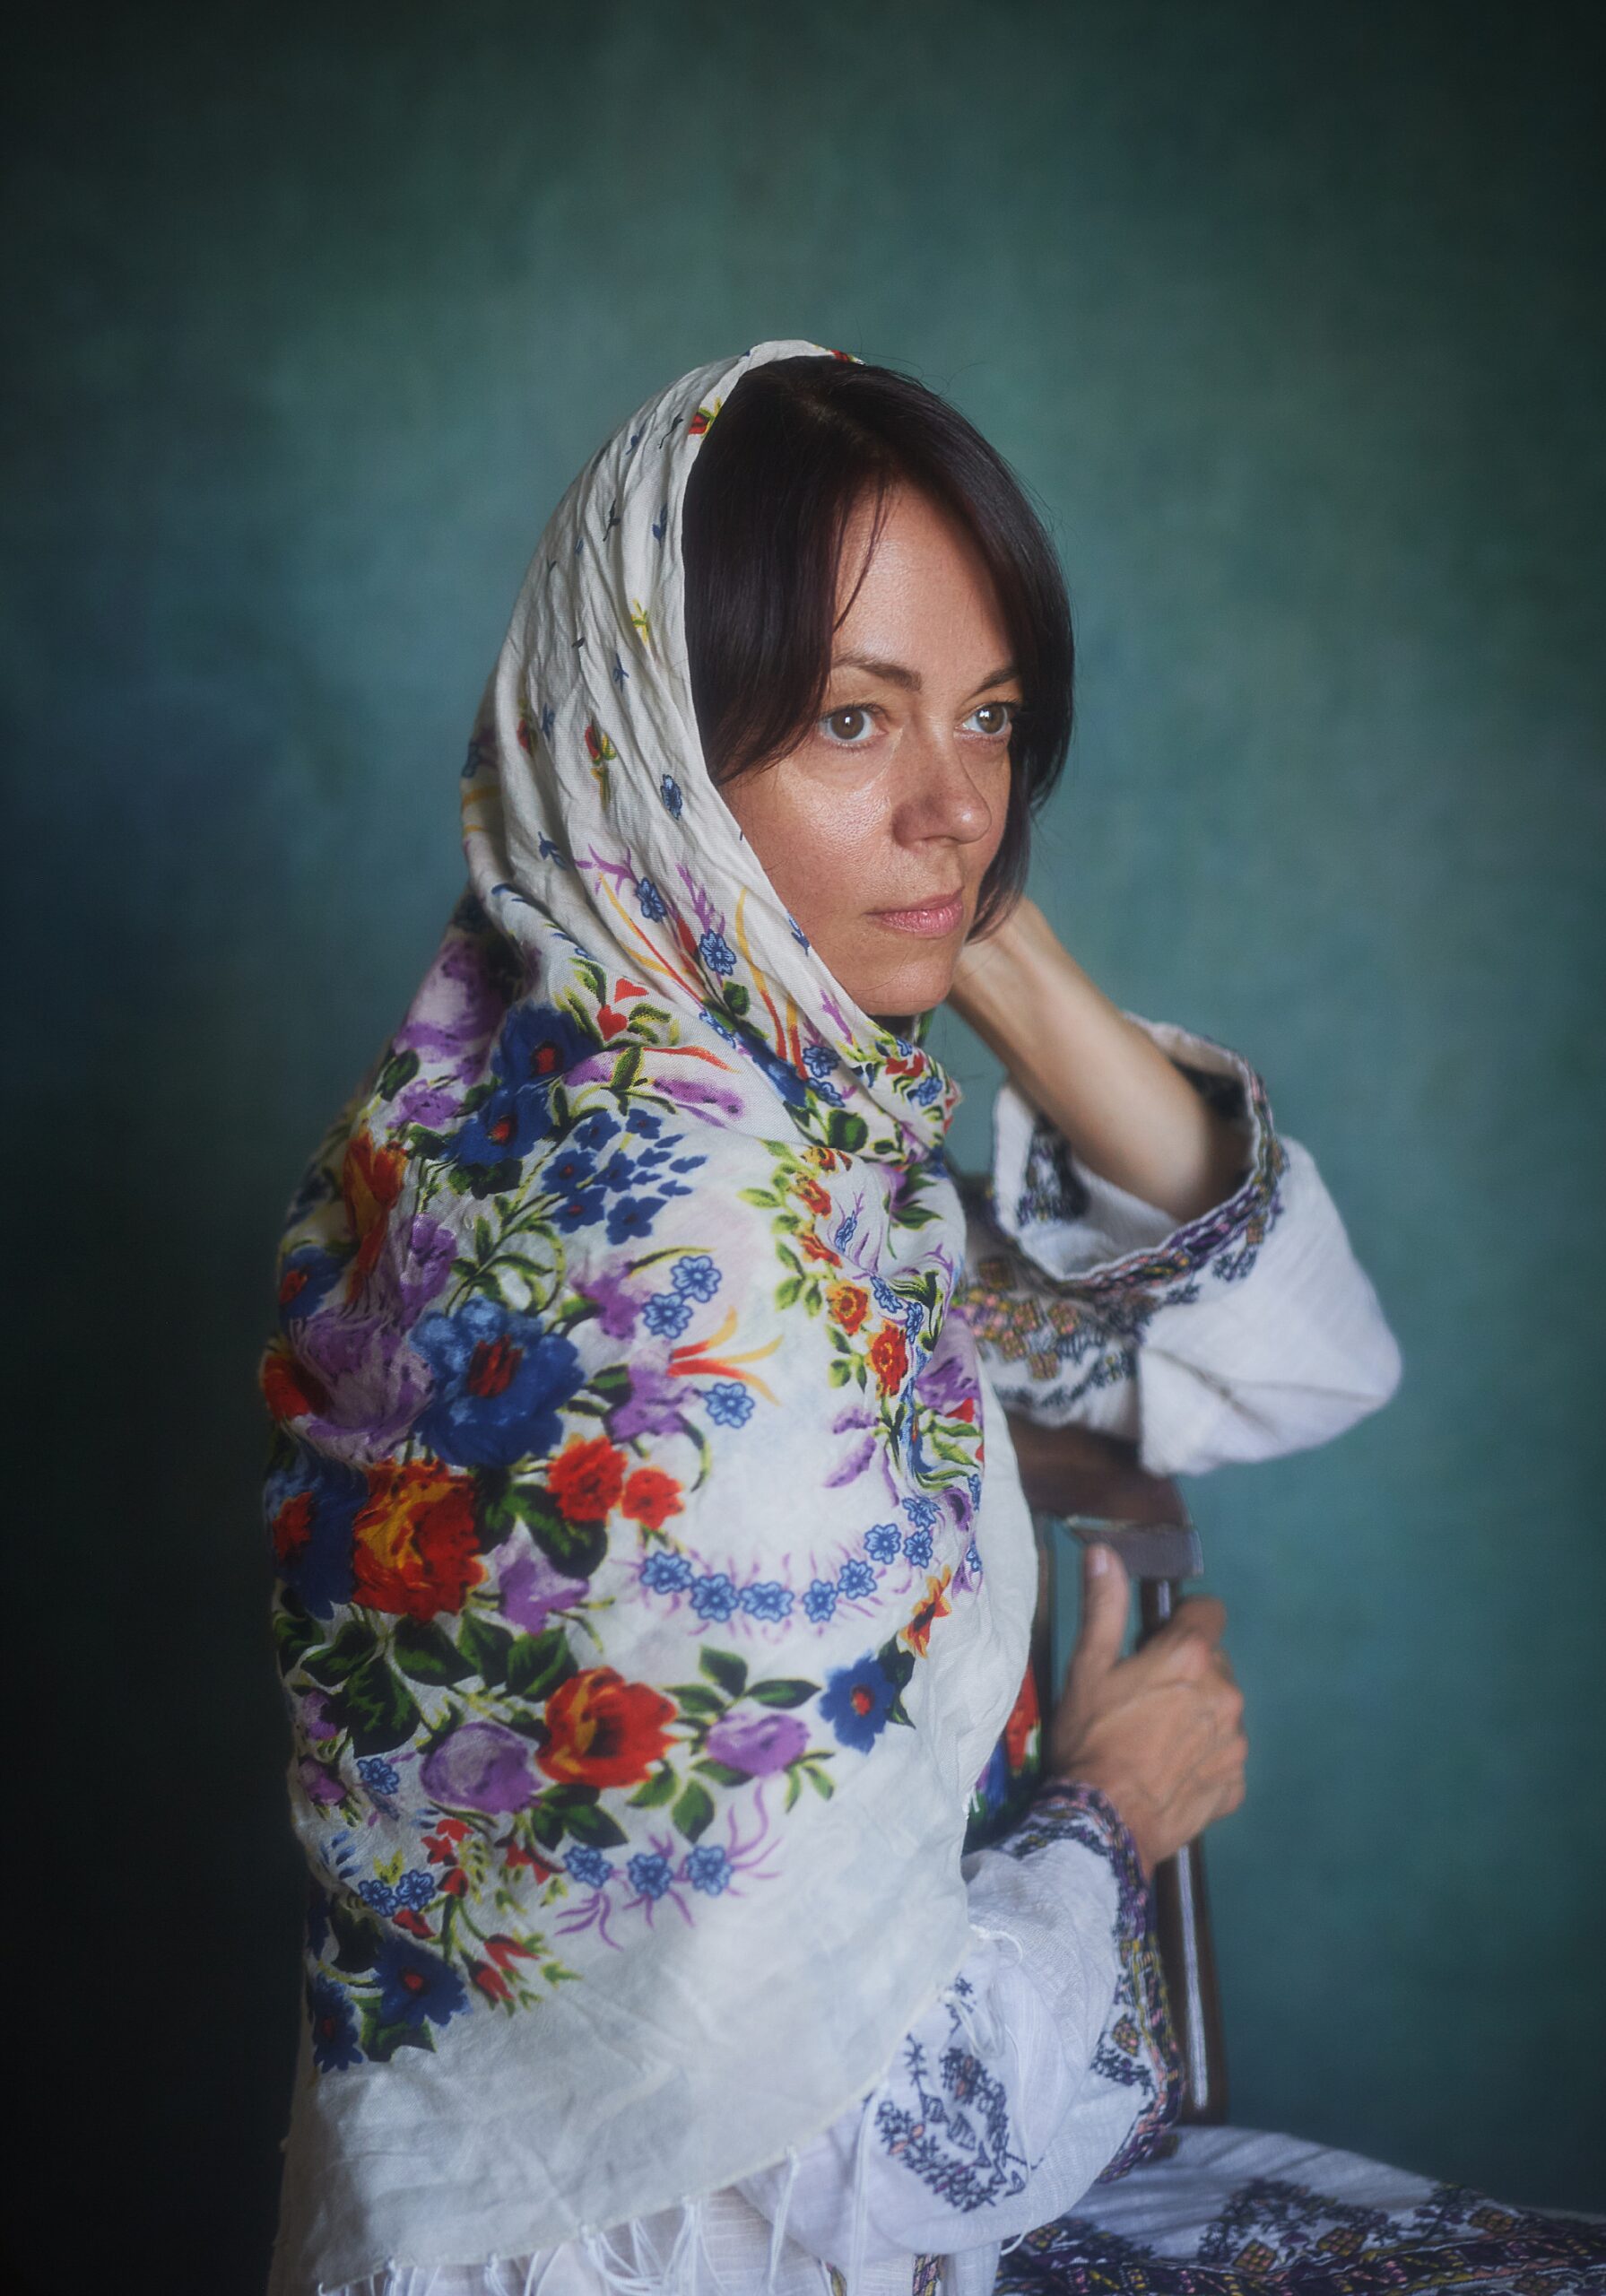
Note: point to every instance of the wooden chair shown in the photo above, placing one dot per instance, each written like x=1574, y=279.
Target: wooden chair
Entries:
x=1072, y=1475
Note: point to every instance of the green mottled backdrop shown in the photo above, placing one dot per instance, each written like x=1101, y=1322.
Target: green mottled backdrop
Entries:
x=1292, y=319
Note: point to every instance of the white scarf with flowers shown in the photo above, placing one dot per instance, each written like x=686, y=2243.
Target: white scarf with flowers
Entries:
x=641, y=1629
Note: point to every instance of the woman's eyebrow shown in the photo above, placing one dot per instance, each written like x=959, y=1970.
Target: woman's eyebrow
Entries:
x=897, y=673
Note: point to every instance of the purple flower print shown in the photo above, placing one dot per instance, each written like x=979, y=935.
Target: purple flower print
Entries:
x=431, y=1249
x=456, y=1007
x=530, y=1588
x=651, y=1407
x=481, y=1767
x=434, y=1106
x=378, y=1382
x=947, y=1379
x=617, y=1301
x=318, y=1784
x=757, y=1744
x=317, y=1720
x=691, y=1092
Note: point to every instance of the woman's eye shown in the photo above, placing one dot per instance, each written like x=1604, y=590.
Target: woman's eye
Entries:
x=850, y=728
x=992, y=717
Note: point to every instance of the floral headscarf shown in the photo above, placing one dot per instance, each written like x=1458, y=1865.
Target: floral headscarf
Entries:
x=640, y=1628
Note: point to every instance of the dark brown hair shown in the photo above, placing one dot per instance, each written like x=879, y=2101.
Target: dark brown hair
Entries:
x=793, y=450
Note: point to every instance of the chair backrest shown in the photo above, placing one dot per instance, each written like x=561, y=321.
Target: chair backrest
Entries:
x=1072, y=1472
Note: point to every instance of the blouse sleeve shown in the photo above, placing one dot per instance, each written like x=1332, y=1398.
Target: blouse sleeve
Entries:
x=1044, y=2066
x=1247, y=1332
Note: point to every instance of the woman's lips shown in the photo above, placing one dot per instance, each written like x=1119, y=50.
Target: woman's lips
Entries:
x=930, y=919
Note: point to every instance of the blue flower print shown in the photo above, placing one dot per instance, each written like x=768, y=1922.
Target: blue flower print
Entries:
x=633, y=1215
x=651, y=900
x=415, y=1984
x=819, y=1601
x=766, y=1599
x=893, y=1305
x=307, y=1277
x=928, y=1090
x=708, y=1868
x=716, y=953
x=882, y=1542
x=590, y=1866
x=333, y=2027
x=538, y=1044
x=571, y=1170
x=595, y=1130
x=975, y=1488
x=729, y=1403
x=645, y=1123
x=715, y=1595
x=923, y=1513
x=917, y=1546
x=501, y=1379
x=666, y=1314
x=697, y=1276
x=650, y=1875
x=310, y=1506
x=619, y=1171
x=377, y=1775
x=856, y=1702
x=818, y=1059
x=666, y=1574
x=788, y=1083
x=669, y=790
x=855, y=1580
x=846, y=1230
x=377, y=1895
x=415, y=1888
x=973, y=1560
x=579, y=1210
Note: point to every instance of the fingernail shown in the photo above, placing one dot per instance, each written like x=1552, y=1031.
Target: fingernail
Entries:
x=1099, y=1561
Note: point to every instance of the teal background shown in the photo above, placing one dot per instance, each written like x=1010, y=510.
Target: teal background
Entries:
x=1292, y=318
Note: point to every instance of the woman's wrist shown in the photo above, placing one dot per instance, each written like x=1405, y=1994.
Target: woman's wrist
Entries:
x=1127, y=1113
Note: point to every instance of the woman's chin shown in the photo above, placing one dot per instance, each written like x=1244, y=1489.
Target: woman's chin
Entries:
x=894, y=994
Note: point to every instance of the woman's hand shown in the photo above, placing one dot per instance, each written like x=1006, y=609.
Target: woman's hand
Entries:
x=1100, y=1079
x=1161, y=1733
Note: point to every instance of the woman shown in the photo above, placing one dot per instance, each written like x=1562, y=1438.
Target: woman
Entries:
x=656, y=1582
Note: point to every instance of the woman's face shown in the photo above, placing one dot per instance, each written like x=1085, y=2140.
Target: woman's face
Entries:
x=877, y=829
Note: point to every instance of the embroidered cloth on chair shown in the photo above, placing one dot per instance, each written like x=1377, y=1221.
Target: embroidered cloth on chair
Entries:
x=640, y=1629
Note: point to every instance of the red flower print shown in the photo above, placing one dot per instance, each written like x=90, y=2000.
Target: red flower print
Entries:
x=651, y=1496
x=812, y=1249
x=917, y=1634
x=811, y=1193
x=890, y=1357
x=587, y=1479
x=848, y=1305
x=1024, y=1722
x=406, y=1917
x=292, y=1526
x=416, y=1549
x=604, y=1731
x=289, y=1388
x=370, y=1181
x=490, y=1982
x=504, y=1950
x=515, y=1855
x=453, y=1882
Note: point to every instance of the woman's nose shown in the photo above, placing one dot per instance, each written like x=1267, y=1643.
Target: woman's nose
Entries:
x=945, y=797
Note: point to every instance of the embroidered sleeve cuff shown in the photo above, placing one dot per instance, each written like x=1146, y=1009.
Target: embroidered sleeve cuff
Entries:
x=1081, y=1230
x=1062, y=1810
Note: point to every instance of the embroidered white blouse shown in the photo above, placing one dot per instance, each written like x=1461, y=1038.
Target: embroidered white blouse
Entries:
x=1246, y=1334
